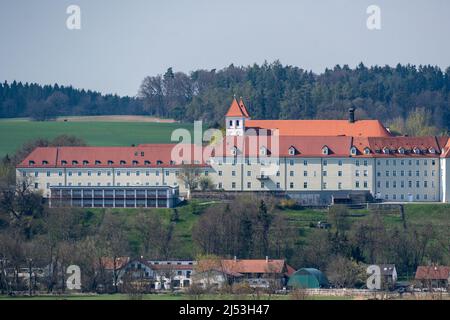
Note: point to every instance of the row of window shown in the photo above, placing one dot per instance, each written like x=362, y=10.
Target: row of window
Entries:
x=109, y=173
x=109, y=184
x=409, y=183
x=408, y=162
x=408, y=197
x=402, y=173
x=325, y=186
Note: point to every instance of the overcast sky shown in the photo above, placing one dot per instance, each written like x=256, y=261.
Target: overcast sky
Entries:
x=120, y=42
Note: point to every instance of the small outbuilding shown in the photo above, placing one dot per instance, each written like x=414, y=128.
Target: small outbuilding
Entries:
x=308, y=278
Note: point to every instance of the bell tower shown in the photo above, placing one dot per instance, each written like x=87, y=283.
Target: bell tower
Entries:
x=235, y=118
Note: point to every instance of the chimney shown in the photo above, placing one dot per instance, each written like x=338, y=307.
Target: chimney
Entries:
x=235, y=258
x=267, y=259
x=351, y=115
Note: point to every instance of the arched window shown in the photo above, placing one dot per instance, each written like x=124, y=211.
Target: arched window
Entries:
x=325, y=150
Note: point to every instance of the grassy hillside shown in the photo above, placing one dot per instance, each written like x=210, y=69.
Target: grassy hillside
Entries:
x=14, y=132
x=416, y=214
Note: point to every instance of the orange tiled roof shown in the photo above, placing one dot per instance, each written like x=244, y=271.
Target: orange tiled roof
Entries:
x=359, y=128
x=433, y=273
x=147, y=155
x=237, y=109
x=254, y=266
x=304, y=146
x=377, y=144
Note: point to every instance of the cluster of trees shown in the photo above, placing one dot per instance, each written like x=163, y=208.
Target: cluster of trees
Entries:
x=246, y=228
x=345, y=248
x=48, y=102
x=271, y=91
x=274, y=91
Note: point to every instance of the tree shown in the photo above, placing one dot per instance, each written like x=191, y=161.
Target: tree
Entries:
x=344, y=273
x=206, y=183
x=189, y=177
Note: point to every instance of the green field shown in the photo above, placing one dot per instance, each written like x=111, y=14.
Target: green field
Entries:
x=15, y=132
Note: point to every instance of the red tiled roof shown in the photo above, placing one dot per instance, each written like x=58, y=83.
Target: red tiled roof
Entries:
x=377, y=144
x=432, y=273
x=254, y=266
x=360, y=128
x=304, y=146
x=75, y=157
x=237, y=109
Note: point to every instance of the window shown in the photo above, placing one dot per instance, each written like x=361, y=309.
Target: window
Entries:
x=219, y=185
x=357, y=163
x=36, y=185
x=357, y=173
x=233, y=185
x=353, y=151
x=366, y=173
x=230, y=123
x=262, y=184
x=237, y=123
x=79, y=173
x=325, y=150
x=70, y=173
x=135, y=162
x=340, y=163
x=324, y=173
x=123, y=162
x=291, y=173
x=48, y=173
x=387, y=184
x=394, y=173
x=340, y=185
x=291, y=185
x=157, y=173
x=278, y=173
x=220, y=173
x=291, y=151
x=60, y=173
x=305, y=173
x=234, y=151
x=417, y=184
x=291, y=162
x=366, y=151
x=425, y=184
x=325, y=163
x=324, y=185
x=339, y=173
x=386, y=150
x=249, y=185
x=366, y=184
x=263, y=151
x=110, y=162
x=305, y=185
x=305, y=162
x=357, y=184
x=206, y=173
x=233, y=173
x=278, y=185
x=98, y=162
x=167, y=173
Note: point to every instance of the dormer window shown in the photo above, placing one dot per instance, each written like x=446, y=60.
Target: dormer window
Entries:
x=85, y=162
x=110, y=162
x=172, y=163
x=123, y=162
x=386, y=150
x=325, y=150
x=98, y=162
x=366, y=150
x=31, y=163
x=135, y=162
x=159, y=162
x=416, y=150
x=353, y=151
x=401, y=150
x=63, y=162
x=291, y=151
x=74, y=162
x=142, y=153
x=44, y=162
x=230, y=123
x=233, y=151
x=147, y=163
x=263, y=151
x=237, y=123
x=432, y=150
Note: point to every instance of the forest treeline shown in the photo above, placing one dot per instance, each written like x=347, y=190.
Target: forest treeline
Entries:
x=270, y=90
